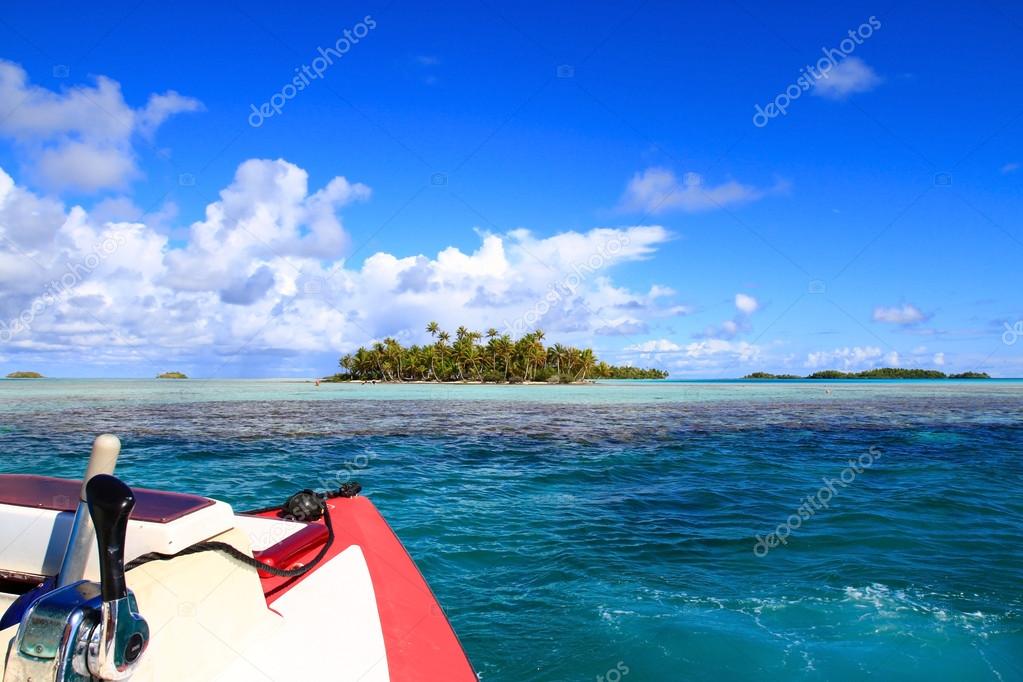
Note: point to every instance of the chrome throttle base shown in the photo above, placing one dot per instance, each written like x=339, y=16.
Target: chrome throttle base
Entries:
x=86, y=631
x=53, y=638
x=119, y=640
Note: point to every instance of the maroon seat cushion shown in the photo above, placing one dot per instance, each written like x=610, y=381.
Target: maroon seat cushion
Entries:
x=61, y=494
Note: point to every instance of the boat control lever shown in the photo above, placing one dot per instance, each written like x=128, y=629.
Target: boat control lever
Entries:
x=86, y=631
x=123, y=634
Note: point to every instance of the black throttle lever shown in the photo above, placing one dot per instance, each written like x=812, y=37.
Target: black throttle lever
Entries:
x=110, y=504
x=122, y=634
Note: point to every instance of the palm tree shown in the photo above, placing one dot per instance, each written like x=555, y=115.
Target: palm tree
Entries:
x=433, y=329
x=504, y=347
x=461, y=354
x=378, y=356
x=538, y=354
x=539, y=357
x=471, y=357
x=442, y=348
x=515, y=360
x=363, y=363
x=558, y=353
x=393, y=353
x=586, y=362
x=417, y=362
x=571, y=361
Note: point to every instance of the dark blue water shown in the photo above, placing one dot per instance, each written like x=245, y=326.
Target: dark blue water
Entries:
x=581, y=536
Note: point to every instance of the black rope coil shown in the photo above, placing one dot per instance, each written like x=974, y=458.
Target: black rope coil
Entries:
x=302, y=506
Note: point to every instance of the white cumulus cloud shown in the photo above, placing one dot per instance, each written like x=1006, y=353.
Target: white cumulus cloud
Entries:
x=741, y=350
x=82, y=137
x=707, y=357
x=850, y=76
x=849, y=358
x=746, y=303
x=264, y=273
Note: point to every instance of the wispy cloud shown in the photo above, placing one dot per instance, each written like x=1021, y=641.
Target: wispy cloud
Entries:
x=657, y=190
x=740, y=350
x=679, y=311
x=1010, y=167
x=848, y=77
x=905, y=314
x=745, y=305
x=427, y=66
x=654, y=346
x=728, y=329
x=623, y=326
x=850, y=358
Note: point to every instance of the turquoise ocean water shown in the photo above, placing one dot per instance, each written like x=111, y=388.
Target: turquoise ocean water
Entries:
x=609, y=532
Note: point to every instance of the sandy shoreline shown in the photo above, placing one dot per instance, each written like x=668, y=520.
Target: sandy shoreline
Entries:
x=586, y=382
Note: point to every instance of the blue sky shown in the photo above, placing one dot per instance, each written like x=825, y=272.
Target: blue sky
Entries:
x=487, y=152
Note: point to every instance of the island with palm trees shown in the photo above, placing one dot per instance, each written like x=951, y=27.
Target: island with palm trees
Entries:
x=467, y=359
x=879, y=373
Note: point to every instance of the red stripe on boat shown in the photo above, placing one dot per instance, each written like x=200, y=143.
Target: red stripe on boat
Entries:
x=286, y=553
x=420, y=643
